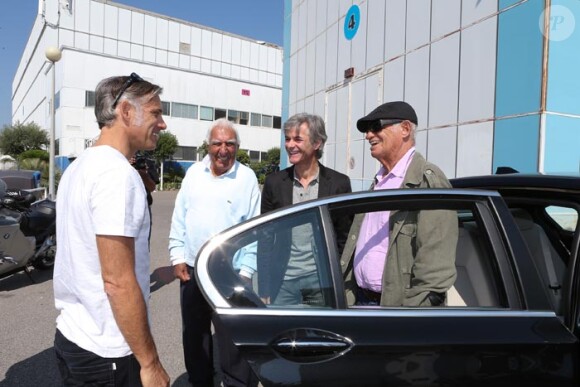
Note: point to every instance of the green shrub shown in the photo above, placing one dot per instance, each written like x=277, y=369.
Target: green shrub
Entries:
x=34, y=154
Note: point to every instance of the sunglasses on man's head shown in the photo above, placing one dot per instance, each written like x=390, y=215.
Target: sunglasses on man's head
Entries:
x=378, y=125
x=133, y=78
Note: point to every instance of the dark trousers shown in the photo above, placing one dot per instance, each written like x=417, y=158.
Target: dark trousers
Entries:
x=79, y=367
x=196, y=335
x=197, y=342
x=303, y=290
x=367, y=297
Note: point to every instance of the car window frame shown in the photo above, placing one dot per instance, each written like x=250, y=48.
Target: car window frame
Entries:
x=494, y=213
x=571, y=298
x=509, y=293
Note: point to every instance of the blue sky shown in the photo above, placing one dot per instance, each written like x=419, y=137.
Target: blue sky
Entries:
x=257, y=19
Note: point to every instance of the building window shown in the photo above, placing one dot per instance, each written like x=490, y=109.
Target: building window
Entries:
x=244, y=118
x=205, y=113
x=238, y=117
x=254, y=156
x=266, y=121
x=277, y=122
x=263, y=156
x=256, y=119
x=166, y=107
x=178, y=154
x=234, y=116
x=89, y=98
x=185, y=153
x=220, y=113
x=184, y=110
x=190, y=153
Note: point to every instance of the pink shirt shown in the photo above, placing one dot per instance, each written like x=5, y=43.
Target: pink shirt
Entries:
x=373, y=240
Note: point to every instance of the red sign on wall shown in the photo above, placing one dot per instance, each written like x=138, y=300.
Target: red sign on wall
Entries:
x=246, y=92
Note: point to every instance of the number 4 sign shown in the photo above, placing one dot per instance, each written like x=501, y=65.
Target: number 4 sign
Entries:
x=351, y=22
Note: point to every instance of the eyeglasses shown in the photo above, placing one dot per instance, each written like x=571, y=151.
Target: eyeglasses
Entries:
x=133, y=78
x=378, y=125
x=229, y=143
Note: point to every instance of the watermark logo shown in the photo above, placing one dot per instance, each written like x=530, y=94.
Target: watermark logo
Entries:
x=562, y=23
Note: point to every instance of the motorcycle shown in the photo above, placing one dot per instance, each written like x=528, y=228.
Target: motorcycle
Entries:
x=27, y=232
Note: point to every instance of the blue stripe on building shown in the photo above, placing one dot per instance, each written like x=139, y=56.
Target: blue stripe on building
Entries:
x=518, y=85
x=516, y=143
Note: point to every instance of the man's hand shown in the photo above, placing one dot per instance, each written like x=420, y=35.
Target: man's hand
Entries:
x=266, y=300
x=181, y=272
x=154, y=376
x=147, y=181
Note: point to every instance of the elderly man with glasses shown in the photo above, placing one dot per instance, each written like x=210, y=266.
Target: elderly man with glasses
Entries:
x=402, y=258
x=215, y=194
x=101, y=273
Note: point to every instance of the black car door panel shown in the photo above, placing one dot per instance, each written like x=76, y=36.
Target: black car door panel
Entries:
x=496, y=328
x=401, y=348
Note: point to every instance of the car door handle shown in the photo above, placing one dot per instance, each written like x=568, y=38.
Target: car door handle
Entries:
x=310, y=345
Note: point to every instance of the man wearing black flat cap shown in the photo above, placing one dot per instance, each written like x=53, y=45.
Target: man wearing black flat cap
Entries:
x=381, y=243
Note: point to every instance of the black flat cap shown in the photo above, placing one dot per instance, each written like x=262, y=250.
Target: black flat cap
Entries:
x=397, y=110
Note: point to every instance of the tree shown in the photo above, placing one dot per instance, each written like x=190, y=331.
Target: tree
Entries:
x=243, y=157
x=166, y=146
x=39, y=154
x=203, y=149
x=20, y=137
x=268, y=165
x=273, y=156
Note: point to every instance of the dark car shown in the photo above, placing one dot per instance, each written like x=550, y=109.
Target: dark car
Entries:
x=511, y=318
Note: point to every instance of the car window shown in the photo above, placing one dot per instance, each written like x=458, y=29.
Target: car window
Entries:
x=297, y=257
x=549, y=251
x=565, y=217
x=477, y=283
x=293, y=268
x=291, y=261
x=466, y=271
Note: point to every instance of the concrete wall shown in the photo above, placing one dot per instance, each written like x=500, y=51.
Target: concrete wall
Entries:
x=474, y=70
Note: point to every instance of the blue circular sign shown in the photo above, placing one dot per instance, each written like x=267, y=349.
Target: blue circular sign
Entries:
x=351, y=22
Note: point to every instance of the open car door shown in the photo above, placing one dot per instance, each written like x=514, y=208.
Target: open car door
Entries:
x=497, y=326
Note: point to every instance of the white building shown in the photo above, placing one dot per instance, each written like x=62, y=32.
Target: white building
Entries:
x=205, y=73
x=494, y=82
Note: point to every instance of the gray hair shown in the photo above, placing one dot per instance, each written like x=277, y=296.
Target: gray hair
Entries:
x=138, y=93
x=222, y=123
x=316, y=130
x=413, y=130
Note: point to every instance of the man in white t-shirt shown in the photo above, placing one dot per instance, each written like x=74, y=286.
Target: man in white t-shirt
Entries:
x=101, y=273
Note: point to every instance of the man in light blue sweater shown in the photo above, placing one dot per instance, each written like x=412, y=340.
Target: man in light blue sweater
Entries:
x=215, y=194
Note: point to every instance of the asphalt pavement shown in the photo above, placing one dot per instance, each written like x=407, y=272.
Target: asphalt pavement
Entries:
x=27, y=322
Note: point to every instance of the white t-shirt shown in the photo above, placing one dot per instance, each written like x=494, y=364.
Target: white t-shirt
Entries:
x=100, y=193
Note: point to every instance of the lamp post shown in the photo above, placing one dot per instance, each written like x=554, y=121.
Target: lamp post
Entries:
x=53, y=54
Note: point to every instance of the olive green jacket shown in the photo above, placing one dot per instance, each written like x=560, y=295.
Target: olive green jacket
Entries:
x=422, y=245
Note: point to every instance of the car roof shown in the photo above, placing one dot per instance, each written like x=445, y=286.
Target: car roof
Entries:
x=525, y=185
x=518, y=180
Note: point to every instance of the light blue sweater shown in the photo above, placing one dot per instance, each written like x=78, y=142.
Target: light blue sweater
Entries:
x=208, y=204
